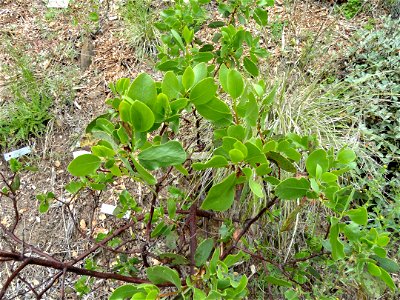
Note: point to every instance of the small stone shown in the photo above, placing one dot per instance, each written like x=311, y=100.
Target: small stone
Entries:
x=57, y=164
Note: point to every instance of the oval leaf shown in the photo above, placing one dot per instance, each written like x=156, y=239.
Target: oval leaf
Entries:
x=220, y=197
x=84, y=165
x=203, y=92
x=162, y=274
x=203, y=252
x=142, y=117
x=292, y=188
x=164, y=155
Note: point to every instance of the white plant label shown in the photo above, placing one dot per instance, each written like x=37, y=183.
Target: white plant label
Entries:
x=75, y=154
x=58, y=3
x=17, y=153
x=109, y=210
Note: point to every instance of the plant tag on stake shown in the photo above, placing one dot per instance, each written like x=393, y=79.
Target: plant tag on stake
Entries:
x=17, y=153
x=58, y=3
x=109, y=210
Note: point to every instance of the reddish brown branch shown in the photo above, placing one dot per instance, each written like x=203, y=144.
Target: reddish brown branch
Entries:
x=193, y=235
x=247, y=227
x=67, y=267
x=14, y=274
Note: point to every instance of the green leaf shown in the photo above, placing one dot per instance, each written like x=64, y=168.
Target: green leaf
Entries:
x=373, y=269
x=387, y=264
x=164, y=155
x=124, y=292
x=178, y=39
x=387, y=279
x=216, y=111
x=142, y=118
x=346, y=156
x=358, y=215
x=203, y=91
x=256, y=188
x=235, y=84
x=250, y=66
x=198, y=294
x=203, y=252
x=223, y=77
x=102, y=151
x=317, y=157
x=236, y=155
x=188, y=78
x=143, y=88
x=84, y=165
x=336, y=244
x=217, y=161
x=292, y=188
x=162, y=274
x=16, y=183
x=329, y=177
x=44, y=206
x=200, y=72
x=261, y=16
x=125, y=111
x=232, y=259
x=187, y=35
x=277, y=281
x=216, y=24
x=146, y=176
x=74, y=186
x=170, y=85
x=237, y=132
x=281, y=161
x=220, y=197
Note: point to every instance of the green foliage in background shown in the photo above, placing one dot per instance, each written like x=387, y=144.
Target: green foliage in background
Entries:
x=30, y=96
x=139, y=17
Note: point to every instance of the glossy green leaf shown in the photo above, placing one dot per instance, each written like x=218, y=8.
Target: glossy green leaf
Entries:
x=162, y=274
x=216, y=111
x=261, y=16
x=200, y=72
x=203, y=91
x=336, y=244
x=236, y=155
x=142, y=117
x=178, y=38
x=346, y=156
x=281, y=161
x=235, y=84
x=220, y=197
x=387, y=279
x=146, y=176
x=216, y=161
x=373, y=269
x=250, y=66
x=84, y=165
x=188, y=78
x=125, y=111
x=223, y=77
x=124, y=292
x=102, y=151
x=164, y=155
x=386, y=263
x=143, y=88
x=256, y=188
x=203, y=252
x=170, y=85
x=317, y=157
x=358, y=215
x=277, y=281
x=292, y=188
